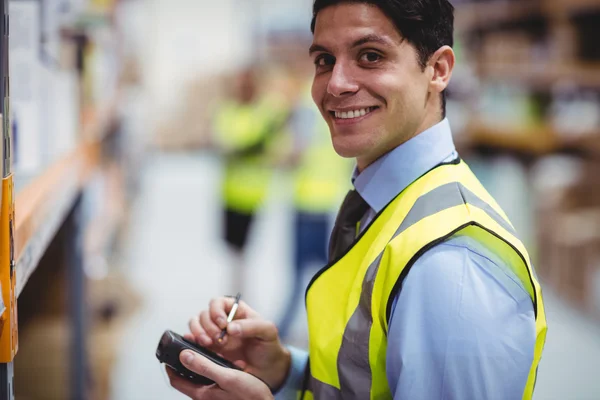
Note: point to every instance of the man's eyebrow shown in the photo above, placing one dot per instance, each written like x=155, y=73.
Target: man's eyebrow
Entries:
x=373, y=39
x=359, y=42
x=317, y=47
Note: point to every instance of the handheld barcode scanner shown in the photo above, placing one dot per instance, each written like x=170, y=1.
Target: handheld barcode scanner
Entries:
x=171, y=345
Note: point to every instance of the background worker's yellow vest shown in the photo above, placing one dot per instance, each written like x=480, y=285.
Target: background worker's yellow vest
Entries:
x=348, y=302
x=321, y=179
x=246, y=133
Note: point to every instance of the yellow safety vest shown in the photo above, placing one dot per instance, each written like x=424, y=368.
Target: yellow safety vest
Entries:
x=349, y=302
x=321, y=179
x=247, y=176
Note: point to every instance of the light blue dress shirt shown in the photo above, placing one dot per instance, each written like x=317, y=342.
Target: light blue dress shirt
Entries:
x=463, y=326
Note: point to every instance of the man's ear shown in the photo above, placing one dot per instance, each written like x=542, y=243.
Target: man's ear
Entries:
x=442, y=62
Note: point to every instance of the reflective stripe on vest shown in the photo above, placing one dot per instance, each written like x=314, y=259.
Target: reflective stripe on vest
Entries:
x=354, y=295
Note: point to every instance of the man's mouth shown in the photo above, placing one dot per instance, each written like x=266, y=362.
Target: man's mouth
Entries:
x=352, y=114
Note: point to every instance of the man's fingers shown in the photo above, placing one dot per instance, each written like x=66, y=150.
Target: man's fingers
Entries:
x=253, y=328
x=220, y=307
x=241, y=364
x=207, y=328
x=212, y=330
x=184, y=386
x=230, y=383
x=195, y=392
x=200, y=335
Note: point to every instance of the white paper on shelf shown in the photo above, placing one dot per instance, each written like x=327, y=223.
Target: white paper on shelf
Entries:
x=104, y=66
x=52, y=15
x=66, y=113
x=24, y=47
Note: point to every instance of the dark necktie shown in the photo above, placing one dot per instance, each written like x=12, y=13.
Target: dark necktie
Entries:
x=344, y=231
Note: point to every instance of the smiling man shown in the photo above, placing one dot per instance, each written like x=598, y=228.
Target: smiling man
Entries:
x=428, y=293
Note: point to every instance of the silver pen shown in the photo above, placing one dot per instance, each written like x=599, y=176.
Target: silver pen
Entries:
x=231, y=316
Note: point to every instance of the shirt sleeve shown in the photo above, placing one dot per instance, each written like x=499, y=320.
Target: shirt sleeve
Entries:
x=295, y=378
x=462, y=327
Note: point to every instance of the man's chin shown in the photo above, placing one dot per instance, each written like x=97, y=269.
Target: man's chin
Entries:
x=347, y=152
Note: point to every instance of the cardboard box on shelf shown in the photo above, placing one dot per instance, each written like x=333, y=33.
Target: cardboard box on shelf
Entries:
x=507, y=47
x=112, y=302
x=569, y=262
x=569, y=239
x=103, y=342
x=189, y=127
x=42, y=363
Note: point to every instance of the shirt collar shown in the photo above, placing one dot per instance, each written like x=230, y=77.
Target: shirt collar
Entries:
x=384, y=179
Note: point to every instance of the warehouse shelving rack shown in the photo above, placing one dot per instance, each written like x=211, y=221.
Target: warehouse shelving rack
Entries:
x=477, y=19
x=33, y=210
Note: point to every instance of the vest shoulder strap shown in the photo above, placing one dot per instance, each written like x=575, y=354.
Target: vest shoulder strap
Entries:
x=447, y=201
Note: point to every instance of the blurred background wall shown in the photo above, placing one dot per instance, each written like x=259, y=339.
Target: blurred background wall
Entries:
x=116, y=166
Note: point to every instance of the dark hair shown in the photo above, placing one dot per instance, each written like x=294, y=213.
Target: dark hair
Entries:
x=426, y=24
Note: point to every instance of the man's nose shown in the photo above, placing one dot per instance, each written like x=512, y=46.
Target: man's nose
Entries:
x=341, y=81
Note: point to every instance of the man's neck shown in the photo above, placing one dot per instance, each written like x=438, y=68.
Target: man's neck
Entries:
x=428, y=123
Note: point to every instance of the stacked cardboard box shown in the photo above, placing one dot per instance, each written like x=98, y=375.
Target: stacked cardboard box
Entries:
x=113, y=302
x=569, y=238
x=189, y=126
x=42, y=363
x=42, y=366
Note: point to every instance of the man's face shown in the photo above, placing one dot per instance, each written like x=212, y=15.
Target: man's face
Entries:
x=368, y=83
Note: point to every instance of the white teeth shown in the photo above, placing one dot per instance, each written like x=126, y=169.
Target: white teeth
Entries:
x=353, y=114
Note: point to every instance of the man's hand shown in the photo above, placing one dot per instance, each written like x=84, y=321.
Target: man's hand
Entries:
x=229, y=384
x=252, y=342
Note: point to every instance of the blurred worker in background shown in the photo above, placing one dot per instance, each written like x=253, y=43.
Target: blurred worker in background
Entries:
x=247, y=126
x=428, y=292
x=320, y=182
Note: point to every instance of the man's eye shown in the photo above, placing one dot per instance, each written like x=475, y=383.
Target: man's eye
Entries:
x=370, y=57
x=324, y=60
